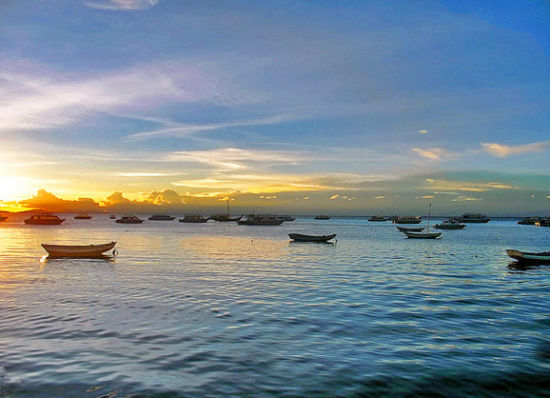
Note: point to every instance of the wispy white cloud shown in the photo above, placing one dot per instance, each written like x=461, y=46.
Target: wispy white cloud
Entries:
x=187, y=129
x=464, y=198
x=40, y=98
x=127, y=5
x=434, y=153
x=502, y=151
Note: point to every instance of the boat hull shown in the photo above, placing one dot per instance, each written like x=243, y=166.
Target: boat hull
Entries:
x=425, y=235
x=311, y=238
x=193, y=221
x=129, y=222
x=83, y=217
x=410, y=229
x=44, y=222
x=529, y=258
x=449, y=226
x=255, y=222
x=78, y=251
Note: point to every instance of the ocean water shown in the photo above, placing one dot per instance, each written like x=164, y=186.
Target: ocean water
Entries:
x=219, y=309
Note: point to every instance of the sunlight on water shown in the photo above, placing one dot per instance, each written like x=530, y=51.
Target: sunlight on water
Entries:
x=220, y=309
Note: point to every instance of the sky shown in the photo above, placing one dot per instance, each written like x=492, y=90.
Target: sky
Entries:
x=344, y=107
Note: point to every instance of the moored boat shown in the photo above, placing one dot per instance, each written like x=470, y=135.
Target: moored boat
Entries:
x=475, y=218
x=544, y=222
x=112, y=217
x=129, y=220
x=529, y=221
x=3, y=218
x=409, y=229
x=224, y=218
x=427, y=234
x=82, y=216
x=450, y=224
x=322, y=217
x=196, y=219
x=260, y=219
x=408, y=220
x=78, y=251
x=529, y=257
x=422, y=235
x=161, y=217
x=377, y=219
x=286, y=218
x=44, y=219
x=311, y=238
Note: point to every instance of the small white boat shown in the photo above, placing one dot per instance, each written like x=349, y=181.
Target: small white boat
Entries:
x=422, y=235
x=78, y=251
x=527, y=257
x=311, y=238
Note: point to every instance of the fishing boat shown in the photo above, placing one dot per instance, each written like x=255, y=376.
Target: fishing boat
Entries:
x=450, y=224
x=224, y=218
x=82, y=216
x=475, y=218
x=78, y=251
x=377, y=219
x=530, y=258
x=129, y=220
x=529, y=220
x=322, y=217
x=112, y=217
x=161, y=217
x=408, y=220
x=424, y=235
x=44, y=219
x=311, y=238
x=286, y=218
x=196, y=219
x=409, y=229
x=260, y=219
x=3, y=218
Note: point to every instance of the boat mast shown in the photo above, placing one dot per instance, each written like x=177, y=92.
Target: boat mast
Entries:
x=429, y=214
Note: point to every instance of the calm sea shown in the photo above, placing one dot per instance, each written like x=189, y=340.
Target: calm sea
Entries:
x=224, y=310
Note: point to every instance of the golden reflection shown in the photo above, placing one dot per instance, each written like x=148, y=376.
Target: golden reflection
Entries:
x=233, y=247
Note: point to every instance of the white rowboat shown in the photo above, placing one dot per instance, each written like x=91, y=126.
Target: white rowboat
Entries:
x=78, y=251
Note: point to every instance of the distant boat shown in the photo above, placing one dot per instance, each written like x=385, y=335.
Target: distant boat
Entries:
x=322, y=217
x=409, y=229
x=529, y=220
x=476, y=218
x=161, y=217
x=129, y=220
x=529, y=258
x=423, y=235
x=224, y=218
x=193, y=219
x=427, y=234
x=450, y=224
x=3, y=218
x=260, y=219
x=311, y=238
x=78, y=251
x=82, y=217
x=112, y=217
x=408, y=220
x=286, y=218
x=44, y=219
x=544, y=222
x=377, y=218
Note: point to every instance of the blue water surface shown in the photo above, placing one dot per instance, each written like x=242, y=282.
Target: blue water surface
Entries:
x=218, y=309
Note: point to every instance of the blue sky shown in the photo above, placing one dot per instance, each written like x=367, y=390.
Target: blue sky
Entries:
x=384, y=104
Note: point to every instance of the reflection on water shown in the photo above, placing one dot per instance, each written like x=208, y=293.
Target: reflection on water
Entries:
x=224, y=310
x=234, y=247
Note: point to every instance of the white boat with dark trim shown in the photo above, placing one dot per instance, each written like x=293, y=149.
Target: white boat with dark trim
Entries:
x=449, y=224
x=78, y=251
x=529, y=257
